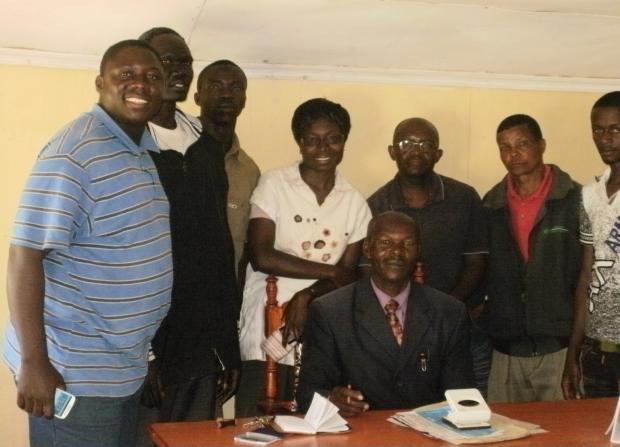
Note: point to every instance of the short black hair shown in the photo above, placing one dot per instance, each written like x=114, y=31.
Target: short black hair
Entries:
x=521, y=119
x=117, y=47
x=218, y=63
x=151, y=34
x=392, y=215
x=316, y=109
x=611, y=99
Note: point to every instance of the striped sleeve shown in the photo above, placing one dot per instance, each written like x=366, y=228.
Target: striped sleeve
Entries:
x=54, y=203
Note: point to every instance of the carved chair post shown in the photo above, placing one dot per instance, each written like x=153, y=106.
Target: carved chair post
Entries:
x=273, y=319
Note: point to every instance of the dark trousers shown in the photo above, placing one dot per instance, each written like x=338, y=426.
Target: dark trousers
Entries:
x=193, y=400
x=481, y=351
x=600, y=370
x=252, y=389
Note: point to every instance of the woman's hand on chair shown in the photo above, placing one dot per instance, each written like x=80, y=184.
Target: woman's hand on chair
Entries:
x=295, y=314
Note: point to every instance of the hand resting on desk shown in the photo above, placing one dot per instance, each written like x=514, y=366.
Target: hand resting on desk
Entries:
x=349, y=402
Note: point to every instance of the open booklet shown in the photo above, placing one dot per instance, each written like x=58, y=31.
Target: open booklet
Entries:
x=322, y=417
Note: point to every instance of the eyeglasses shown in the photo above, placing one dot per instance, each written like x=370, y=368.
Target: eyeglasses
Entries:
x=425, y=147
x=313, y=141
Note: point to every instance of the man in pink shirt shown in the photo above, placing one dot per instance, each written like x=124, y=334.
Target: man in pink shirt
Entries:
x=384, y=342
x=533, y=218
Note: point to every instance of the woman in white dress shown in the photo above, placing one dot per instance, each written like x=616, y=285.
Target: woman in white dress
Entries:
x=306, y=227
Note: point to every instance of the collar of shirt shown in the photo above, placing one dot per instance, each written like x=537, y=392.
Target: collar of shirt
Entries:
x=397, y=201
x=604, y=177
x=601, y=187
x=233, y=152
x=192, y=121
x=146, y=140
x=524, y=211
x=537, y=196
x=402, y=298
x=293, y=176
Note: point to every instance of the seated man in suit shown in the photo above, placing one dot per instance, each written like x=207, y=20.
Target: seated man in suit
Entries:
x=385, y=342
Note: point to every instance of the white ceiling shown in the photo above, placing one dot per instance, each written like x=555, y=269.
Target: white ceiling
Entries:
x=551, y=44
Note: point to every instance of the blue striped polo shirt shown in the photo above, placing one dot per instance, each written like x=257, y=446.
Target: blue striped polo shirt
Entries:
x=94, y=200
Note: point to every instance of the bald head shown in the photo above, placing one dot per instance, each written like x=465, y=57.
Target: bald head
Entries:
x=416, y=126
x=415, y=149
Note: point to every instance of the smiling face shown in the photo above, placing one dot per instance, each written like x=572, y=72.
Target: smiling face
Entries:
x=321, y=146
x=520, y=151
x=176, y=59
x=606, y=133
x=130, y=88
x=392, y=248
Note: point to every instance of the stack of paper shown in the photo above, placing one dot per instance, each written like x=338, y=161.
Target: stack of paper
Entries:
x=430, y=419
x=322, y=416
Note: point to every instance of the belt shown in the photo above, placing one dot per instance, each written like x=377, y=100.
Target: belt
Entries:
x=531, y=347
x=604, y=346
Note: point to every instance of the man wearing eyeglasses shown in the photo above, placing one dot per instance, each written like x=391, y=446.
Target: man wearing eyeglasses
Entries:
x=533, y=217
x=452, y=224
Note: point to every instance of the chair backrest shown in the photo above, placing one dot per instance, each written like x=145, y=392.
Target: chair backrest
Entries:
x=273, y=321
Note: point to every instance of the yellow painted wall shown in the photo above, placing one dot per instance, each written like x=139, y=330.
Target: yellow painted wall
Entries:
x=36, y=102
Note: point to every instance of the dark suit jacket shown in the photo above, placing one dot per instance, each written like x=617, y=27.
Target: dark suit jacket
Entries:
x=348, y=341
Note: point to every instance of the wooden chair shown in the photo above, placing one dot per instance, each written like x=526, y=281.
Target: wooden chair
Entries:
x=273, y=321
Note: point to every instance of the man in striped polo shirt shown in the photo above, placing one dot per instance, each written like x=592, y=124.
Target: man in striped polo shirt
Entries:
x=90, y=268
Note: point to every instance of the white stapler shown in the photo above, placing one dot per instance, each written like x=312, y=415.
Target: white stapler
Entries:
x=467, y=409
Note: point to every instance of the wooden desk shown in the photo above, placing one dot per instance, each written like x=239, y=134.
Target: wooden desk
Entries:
x=569, y=424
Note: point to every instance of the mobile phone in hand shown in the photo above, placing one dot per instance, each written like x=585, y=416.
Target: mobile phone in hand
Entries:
x=63, y=403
